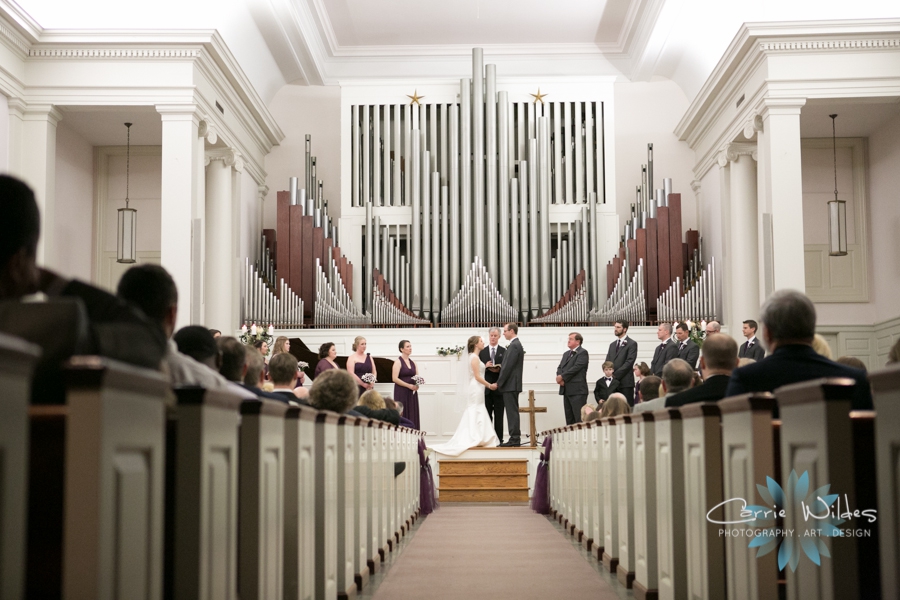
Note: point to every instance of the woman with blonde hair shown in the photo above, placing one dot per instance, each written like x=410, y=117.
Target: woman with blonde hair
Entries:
x=372, y=405
x=614, y=406
x=359, y=363
x=282, y=344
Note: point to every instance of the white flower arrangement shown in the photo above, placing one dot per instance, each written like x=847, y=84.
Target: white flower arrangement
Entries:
x=452, y=351
x=418, y=380
x=368, y=378
x=256, y=333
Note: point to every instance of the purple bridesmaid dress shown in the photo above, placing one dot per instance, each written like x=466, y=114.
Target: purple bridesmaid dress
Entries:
x=361, y=368
x=408, y=397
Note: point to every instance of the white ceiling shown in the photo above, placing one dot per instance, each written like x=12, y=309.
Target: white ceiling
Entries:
x=856, y=117
x=105, y=125
x=475, y=22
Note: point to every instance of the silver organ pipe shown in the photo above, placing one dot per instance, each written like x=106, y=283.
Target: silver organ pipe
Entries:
x=309, y=183
x=293, y=191
x=436, y=256
x=588, y=151
x=407, y=155
x=376, y=156
x=568, y=151
x=442, y=121
x=490, y=151
x=260, y=305
x=514, y=253
x=544, y=187
x=465, y=173
x=354, y=155
x=478, y=149
x=650, y=167
x=395, y=158
x=415, y=239
x=503, y=193
x=534, y=228
x=557, y=154
x=445, y=233
x=578, y=132
x=370, y=252
x=525, y=249
x=455, y=266
x=595, y=290
x=366, y=156
x=425, y=265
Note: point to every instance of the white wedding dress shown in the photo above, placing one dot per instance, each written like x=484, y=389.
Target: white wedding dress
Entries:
x=475, y=427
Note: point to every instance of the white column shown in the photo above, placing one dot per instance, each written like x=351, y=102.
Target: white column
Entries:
x=32, y=158
x=219, y=230
x=744, y=234
x=182, y=194
x=781, y=193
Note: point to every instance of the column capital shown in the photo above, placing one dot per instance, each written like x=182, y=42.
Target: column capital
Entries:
x=753, y=125
x=695, y=186
x=263, y=191
x=34, y=112
x=206, y=130
x=229, y=157
x=781, y=106
x=732, y=152
x=180, y=112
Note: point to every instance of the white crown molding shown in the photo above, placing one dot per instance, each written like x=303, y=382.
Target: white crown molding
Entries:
x=817, y=45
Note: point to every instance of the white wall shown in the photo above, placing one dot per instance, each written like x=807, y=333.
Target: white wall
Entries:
x=884, y=225
x=301, y=110
x=647, y=112
x=74, y=204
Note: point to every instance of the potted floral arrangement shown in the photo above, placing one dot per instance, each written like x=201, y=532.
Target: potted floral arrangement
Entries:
x=256, y=333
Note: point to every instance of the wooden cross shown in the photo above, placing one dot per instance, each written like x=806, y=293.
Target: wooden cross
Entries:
x=531, y=410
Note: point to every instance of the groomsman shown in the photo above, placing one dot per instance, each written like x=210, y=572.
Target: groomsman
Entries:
x=571, y=375
x=688, y=351
x=751, y=348
x=623, y=353
x=510, y=382
x=492, y=357
x=666, y=351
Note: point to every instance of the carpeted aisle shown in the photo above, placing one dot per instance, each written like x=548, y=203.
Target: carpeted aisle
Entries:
x=490, y=552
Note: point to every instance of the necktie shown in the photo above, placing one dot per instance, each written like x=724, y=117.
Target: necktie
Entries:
x=493, y=350
x=608, y=381
x=749, y=344
x=572, y=354
x=683, y=344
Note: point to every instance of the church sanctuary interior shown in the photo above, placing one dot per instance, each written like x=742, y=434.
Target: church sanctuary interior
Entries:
x=464, y=299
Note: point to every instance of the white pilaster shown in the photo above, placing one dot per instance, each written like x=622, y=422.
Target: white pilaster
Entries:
x=781, y=192
x=32, y=158
x=219, y=231
x=743, y=239
x=182, y=202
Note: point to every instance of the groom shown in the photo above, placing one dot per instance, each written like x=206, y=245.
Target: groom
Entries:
x=510, y=382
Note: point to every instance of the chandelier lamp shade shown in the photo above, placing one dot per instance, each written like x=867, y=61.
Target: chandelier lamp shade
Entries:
x=837, y=210
x=126, y=247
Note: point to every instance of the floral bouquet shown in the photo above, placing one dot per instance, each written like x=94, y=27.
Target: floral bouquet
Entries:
x=696, y=331
x=418, y=380
x=452, y=351
x=256, y=334
x=302, y=365
x=368, y=378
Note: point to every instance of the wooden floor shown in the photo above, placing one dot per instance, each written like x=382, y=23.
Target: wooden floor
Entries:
x=500, y=480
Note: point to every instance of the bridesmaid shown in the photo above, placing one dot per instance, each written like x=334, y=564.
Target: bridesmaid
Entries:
x=405, y=390
x=327, y=354
x=359, y=363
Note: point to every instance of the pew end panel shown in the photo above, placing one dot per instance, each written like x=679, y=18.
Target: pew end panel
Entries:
x=18, y=360
x=670, y=525
x=261, y=500
x=299, y=503
x=346, y=506
x=625, y=488
x=326, y=494
x=645, y=551
x=114, y=480
x=886, y=396
x=610, y=495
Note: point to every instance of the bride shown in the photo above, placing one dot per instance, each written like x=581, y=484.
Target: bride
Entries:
x=475, y=427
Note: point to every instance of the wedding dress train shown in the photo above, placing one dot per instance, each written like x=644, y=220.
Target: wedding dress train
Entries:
x=475, y=428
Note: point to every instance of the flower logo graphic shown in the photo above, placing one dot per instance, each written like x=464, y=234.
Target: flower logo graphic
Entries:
x=815, y=520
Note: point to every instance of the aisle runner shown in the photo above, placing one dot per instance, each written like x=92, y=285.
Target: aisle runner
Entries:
x=490, y=552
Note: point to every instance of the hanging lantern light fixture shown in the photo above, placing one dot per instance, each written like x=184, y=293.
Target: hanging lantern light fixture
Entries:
x=837, y=209
x=126, y=248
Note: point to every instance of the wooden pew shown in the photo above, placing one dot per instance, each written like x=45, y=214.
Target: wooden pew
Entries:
x=261, y=500
x=749, y=456
x=703, y=491
x=817, y=436
x=17, y=362
x=204, y=544
x=362, y=537
x=346, y=505
x=625, y=490
x=670, y=534
x=326, y=499
x=114, y=472
x=299, y=502
x=644, y=472
x=610, y=459
x=576, y=526
x=373, y=506
x=594, y=543
x=886, y=397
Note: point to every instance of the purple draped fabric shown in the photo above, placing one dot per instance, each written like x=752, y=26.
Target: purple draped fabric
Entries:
x=540, y=499
x=427, y=502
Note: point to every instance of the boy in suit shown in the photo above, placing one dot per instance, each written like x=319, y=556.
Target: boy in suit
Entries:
x=607, y=384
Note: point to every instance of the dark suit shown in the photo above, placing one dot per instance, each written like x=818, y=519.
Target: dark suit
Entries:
x=573, y=369
x=623, y=365
x=793, y=364
x=712, y=390
x=510, y=384
x=603, y=391
x=756, y=351
x=379, y=414
x=665, y=352
x=690, y=353
x=493, y=399
x=280, y=396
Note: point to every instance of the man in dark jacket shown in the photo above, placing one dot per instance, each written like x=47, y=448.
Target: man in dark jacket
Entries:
x=718, y=358
x=510, y=382
x=666, y=351
x=623, y=353
x=788, y=326
x=571, y=375
x=688, y=351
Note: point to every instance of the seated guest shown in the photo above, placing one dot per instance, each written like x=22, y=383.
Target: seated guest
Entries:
x=820, y=345
x=607, y=384
x=327, y=354
x=398, y=406
x=592, y=416
x=372, y=405
x=852, y=361
x=587, y=410
x=283, y=372
x=198, y=343
x=743, y=362
x=614, y=406
x=215, y=333
x=236, y=366
x=640, y=371
x=677, y=377
x=788, y=320
x=152, y=289
x=334, y=390
x=650, y=388
x=718, y=358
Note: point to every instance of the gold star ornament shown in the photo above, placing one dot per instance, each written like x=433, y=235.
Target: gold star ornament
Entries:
x=539, y=97
x=414, y=99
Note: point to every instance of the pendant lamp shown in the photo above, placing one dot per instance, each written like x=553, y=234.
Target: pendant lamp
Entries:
x=126, y=248
x=837, y=210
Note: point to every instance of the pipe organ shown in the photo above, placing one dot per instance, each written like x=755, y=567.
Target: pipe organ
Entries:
x=499, y=206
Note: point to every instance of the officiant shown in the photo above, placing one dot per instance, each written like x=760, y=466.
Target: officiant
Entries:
x=571, y=375
x=492, y=357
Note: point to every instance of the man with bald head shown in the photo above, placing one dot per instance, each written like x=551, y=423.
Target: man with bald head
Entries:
x=718, y=358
